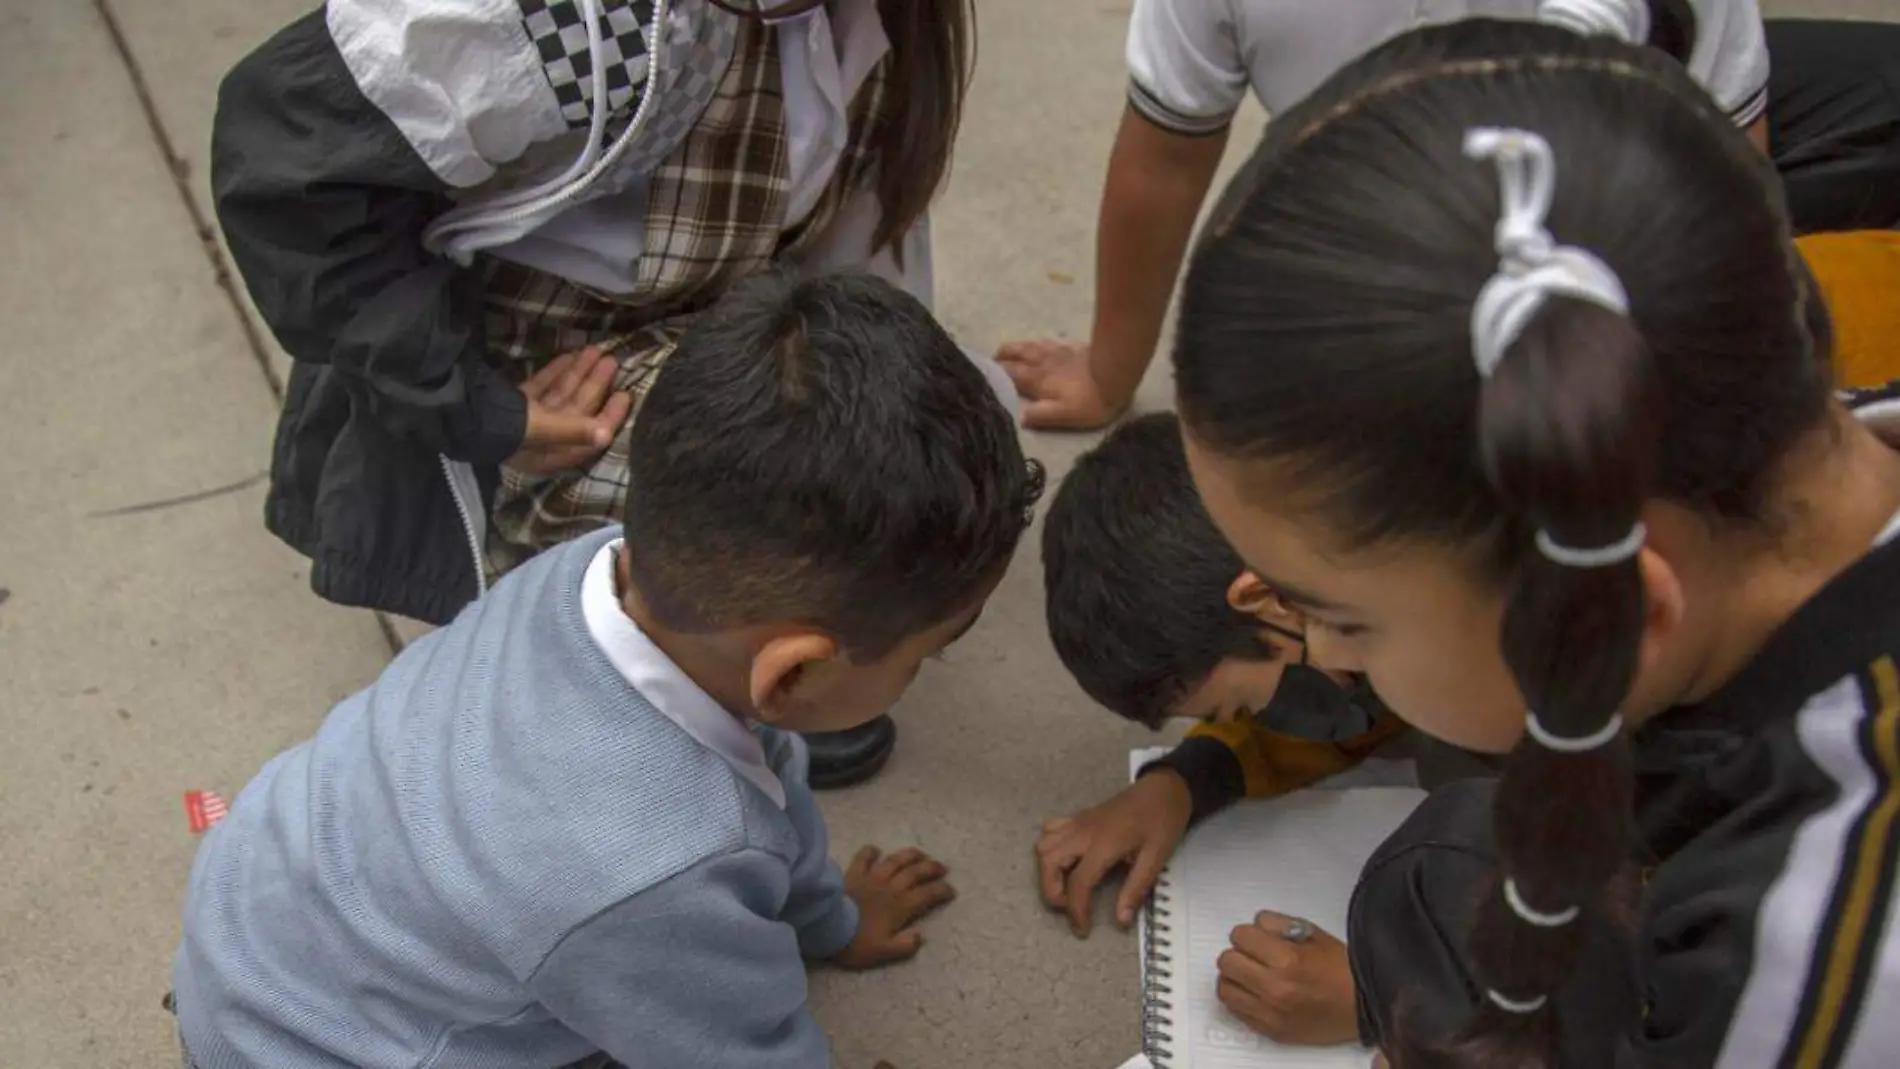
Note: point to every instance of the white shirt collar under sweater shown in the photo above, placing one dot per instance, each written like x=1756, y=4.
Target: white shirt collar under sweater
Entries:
x=660, y=681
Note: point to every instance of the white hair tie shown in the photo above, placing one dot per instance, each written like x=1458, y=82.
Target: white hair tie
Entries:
x=1531, y=265
x=1530, y=915
x=1625, y=20
x=1597, y=739
x=1594, y=556
x=1511, y=1005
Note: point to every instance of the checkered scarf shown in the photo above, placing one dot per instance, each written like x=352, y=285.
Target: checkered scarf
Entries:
x=713, y=216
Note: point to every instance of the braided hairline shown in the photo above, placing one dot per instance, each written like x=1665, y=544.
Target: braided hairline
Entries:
x=1472, y=68
x=1464, y=68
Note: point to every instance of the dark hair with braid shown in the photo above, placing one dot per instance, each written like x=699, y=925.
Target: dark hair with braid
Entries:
x=1326, y=326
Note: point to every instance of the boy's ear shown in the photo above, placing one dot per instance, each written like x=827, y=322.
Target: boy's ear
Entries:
x=1249, y=595
x=1663, y=604
x=781, y=666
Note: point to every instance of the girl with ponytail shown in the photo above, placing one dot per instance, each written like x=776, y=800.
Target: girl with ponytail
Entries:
x=1499, y=364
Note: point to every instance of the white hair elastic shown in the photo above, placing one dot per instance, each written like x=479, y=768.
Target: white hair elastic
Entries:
x=1531, y=915
x=1510, y=1005
x=1597, y=739
x=1597, y=556
x=1532, y=266
x=1625, y=20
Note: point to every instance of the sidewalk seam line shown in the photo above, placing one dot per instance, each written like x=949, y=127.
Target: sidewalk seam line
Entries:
x=180, y=170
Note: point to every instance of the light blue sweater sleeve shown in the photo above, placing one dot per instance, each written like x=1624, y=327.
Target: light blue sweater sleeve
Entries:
x=697, y=971
x=825, y=917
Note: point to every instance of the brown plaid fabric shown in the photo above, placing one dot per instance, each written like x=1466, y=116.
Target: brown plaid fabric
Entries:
x=714, y=214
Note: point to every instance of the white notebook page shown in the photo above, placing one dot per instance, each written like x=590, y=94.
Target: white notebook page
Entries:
x=1299, y=855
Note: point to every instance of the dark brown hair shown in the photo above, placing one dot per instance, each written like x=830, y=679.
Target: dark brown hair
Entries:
x=1325, y=326
x=1135, y=575
x=933, y=50
x=821, y=451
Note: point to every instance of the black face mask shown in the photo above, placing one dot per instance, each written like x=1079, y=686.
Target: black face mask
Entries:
x=1310, y=705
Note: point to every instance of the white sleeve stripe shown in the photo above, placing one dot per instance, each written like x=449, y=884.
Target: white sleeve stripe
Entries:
x=1751, y=109
x=1151, y=108
x=1795, y=913
x=1876, y=1036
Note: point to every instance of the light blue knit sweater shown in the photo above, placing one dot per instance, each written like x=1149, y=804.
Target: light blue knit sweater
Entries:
x=501, y=854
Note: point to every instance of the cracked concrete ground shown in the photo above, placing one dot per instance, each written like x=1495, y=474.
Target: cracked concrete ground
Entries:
x=154, y=639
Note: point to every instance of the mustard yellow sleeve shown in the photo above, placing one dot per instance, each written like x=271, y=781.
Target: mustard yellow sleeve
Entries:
x=1859, y=275
x=1225, y=762
x=1274, y=764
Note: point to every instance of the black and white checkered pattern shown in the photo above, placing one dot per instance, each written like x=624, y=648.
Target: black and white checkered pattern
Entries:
x=559, y=31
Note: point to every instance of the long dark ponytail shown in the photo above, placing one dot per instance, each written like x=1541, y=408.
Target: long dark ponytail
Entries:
x=933, y=50
x=1327, y=326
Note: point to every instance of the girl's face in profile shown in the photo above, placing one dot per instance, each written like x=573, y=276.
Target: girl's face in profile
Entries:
x=1412, y=617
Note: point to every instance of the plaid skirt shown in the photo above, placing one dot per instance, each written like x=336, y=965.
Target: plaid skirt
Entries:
x=714, y=214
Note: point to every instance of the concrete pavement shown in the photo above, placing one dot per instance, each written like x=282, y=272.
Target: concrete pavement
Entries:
x=145, y=647
x=152, y=641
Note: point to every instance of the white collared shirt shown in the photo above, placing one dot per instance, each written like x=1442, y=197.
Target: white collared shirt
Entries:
x=651, y=672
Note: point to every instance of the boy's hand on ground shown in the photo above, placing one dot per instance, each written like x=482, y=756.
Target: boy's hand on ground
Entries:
x=573, y=413
x=1058, y=385
x=1139, y=827
x=1300, y=993
x=893, y=893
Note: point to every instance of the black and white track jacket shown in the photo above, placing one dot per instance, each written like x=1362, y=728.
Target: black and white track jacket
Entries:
x=360, y=158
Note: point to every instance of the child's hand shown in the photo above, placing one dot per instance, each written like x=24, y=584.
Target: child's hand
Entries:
x=1299, y=992
x=893, y=893
x=1058, y=385
x=573, y=413
x=1140, y=827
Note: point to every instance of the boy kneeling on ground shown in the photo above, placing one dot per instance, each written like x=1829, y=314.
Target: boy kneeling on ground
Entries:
x=1156, y=617
x=572, y=828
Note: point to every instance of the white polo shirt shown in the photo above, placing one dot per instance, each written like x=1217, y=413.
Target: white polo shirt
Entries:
x=1192, y=62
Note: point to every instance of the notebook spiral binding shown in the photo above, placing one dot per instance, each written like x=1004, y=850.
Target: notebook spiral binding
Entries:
x=1157, y=970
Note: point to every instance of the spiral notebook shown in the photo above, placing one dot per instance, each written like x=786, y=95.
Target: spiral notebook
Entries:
x=1299, y=855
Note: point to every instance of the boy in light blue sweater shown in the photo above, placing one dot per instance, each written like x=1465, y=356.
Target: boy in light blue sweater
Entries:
x=572, y=828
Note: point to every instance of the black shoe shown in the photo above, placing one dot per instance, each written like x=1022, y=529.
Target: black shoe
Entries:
x=848, y=758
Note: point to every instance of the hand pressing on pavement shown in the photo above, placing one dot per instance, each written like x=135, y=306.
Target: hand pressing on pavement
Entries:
x=1140, y=827
x=1058, y=385
x=1297, y=991
x=893, y=893
x=573, y=412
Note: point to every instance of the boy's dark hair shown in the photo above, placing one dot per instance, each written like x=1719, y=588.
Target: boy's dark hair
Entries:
x=1136, y=576
x=821, y=451
x=1327, y=325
